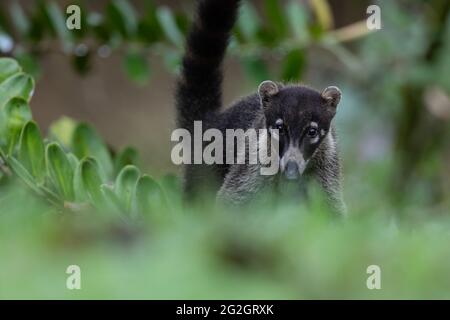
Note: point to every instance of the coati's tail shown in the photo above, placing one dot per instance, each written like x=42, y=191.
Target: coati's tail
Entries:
x=199, y=88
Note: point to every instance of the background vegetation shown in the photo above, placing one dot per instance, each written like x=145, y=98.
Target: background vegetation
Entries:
x=67, y=197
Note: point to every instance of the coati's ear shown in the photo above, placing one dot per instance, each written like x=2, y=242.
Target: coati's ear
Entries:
x=266, y=90
x=332, y=96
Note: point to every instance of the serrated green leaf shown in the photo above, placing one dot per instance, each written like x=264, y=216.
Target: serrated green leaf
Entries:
x=87, y=143
x=19, y=85
x=31, y=151
x=60, y=171
x=125, y=185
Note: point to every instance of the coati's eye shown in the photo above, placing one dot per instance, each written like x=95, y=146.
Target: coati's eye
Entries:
x=312, y=132
x=279, y=124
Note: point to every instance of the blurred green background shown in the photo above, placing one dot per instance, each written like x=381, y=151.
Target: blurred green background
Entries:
x=118, y=73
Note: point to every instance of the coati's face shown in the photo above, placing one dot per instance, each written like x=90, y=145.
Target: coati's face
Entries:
x=302, y=117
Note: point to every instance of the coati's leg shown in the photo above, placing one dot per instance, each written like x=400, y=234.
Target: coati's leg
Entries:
x=245, y=183
x=328, y=173
x=242, y=184
x=201, y=182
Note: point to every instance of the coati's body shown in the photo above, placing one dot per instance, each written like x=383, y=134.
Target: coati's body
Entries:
x=298, y=111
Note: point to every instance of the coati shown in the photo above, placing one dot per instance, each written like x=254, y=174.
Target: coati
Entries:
x=307, y=140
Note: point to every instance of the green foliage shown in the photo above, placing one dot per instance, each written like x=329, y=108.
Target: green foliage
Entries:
x=294, y=65
x=31, y=151
x=73, y=169
x=160, y=30
x=60, y=171
x=137, y=67
x=86, y=142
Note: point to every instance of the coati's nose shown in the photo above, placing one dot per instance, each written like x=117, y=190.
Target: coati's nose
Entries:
x=291, y=170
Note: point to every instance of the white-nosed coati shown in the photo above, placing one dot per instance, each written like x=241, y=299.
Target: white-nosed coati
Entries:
x=307, y=147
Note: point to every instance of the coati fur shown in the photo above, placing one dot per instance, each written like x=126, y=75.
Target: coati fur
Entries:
x=307, y=139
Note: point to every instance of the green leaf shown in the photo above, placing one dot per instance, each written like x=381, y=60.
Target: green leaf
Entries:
x=19, y=85
x=171, y=184
x=87, y=143
x=128, y=156
x=58, y=23
x=293, y=65
x=276, y=18
x=87, y=181
x=14, y=116
x=137, y=67
x=149, y=196
x=126, y=185
x=172, y=189
x=256, y=69
x=248, y=22
x=23, y=174
x=78, y=184
x=298, y=21
x=123, y=17
x=169, y=25
x=60, y=170
x=29, y=63
x=323, y=13
x=19, y=19
x=112, y=200
x=149, y=28
x=31, y=151
x=8, y=68
x=74, y=162
x=29, y=181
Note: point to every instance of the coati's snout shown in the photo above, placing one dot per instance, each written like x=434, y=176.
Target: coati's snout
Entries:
x=292, y=163
x=302, y=118
x=292, y=170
